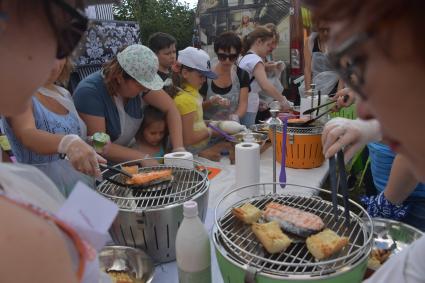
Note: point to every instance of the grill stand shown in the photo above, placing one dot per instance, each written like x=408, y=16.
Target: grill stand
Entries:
x=273, y=122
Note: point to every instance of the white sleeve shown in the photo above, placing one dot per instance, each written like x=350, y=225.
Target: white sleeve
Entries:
x=406, y=266
x=248, y=63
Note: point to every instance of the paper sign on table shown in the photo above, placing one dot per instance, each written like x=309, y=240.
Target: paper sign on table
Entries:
x=89, y=213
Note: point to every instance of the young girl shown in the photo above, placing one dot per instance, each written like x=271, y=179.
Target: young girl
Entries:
x=151, y=136
x=189, y=73
x=256, y=46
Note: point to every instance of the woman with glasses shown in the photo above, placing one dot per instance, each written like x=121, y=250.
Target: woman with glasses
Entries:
x=375, y=48
x=112, y=100
x=36, y=246
x=256, y=46
x=226, y=96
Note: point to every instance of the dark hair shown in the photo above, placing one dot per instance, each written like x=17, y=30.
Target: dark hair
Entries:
x=248, y=40
x=150, y=115
x=272, y=27
x=178, y=81
x=372, y=14
x=160, y=40
x=226, y=41
x=112, y=70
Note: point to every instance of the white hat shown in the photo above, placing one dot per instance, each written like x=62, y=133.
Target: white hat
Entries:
x=197, y=59
x=142, y=65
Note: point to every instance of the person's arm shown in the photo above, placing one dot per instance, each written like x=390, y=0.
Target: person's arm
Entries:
x=82, y=156
x=191, y=136
x=243, y=102
x=402, y=181
x=307, y=65
x=42, y=257
x=38, y=141
x=113, y=152
x=266, y=85
x=161, y=100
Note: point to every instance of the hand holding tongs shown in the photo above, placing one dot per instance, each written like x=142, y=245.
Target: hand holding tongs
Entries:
x=342, y=184
x=311, y=110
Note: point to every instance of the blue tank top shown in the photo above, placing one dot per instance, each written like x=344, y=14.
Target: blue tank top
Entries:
x=45, y=120
x=381, y=161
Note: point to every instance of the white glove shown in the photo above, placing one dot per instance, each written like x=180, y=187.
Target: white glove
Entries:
x=340, y=101
x=285, y=105
x=221, y=101
x=351, y=135
x=234, y=117
x=81, y=155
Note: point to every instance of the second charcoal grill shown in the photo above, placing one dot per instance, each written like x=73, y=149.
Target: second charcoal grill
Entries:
x=241, y=256
x=150, y=216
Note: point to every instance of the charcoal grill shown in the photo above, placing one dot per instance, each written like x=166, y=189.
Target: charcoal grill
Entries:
x=242, y=258
x=149, y=217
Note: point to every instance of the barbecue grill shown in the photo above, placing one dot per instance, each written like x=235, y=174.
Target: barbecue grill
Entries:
x=150, y=216
x=303, y=146
x=242, y=258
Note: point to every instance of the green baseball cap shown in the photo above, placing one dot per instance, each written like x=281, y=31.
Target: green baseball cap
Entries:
x=142, y=65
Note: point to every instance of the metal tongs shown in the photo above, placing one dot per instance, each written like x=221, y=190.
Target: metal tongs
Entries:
x=342, y=184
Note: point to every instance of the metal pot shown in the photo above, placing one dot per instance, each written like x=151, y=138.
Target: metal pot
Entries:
x=242, y=259
x=149, y=219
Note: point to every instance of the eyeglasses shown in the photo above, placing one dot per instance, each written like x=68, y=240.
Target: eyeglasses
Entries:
x=224, y=56
x=350, y=66
x=69, y=26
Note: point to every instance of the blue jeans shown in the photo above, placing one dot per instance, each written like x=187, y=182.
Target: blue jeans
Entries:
x=248, y=119
x=416, y=214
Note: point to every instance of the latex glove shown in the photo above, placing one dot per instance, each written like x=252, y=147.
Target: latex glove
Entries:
x=285, y=105
x=379, y=206
x=220, y=101
x=81, y=155
x=350, y=135
x=234, y=117
x=339, y=98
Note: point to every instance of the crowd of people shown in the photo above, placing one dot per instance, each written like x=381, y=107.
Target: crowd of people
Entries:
x=150, y=101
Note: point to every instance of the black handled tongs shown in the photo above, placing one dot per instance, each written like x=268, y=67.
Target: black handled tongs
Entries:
x=311, y=110
x=342, y=184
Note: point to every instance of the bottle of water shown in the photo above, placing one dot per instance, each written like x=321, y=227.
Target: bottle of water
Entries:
x=193, y=251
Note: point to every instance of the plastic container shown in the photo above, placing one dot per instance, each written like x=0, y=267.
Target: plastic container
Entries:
x=193, y=253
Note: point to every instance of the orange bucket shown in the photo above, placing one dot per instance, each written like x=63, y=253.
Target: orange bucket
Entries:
x=303, y=147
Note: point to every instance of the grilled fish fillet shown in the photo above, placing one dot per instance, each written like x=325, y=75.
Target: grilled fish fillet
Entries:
x=146, y=178
x=293, y=220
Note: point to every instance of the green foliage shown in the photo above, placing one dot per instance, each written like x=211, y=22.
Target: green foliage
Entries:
x=168, y=16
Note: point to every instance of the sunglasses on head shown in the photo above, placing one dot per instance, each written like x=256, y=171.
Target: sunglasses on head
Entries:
x=68, y=23
x=224, y=56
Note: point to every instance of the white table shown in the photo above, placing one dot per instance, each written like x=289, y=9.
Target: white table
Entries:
x=224, y=182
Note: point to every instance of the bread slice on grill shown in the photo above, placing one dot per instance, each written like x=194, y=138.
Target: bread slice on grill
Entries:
x=271, y=236
x=247, y=213
x=326, y=243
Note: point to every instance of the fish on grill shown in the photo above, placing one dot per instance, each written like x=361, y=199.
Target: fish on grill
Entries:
x=150, y=177
x=293, y=220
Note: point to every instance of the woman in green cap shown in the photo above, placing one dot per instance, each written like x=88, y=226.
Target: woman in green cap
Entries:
x=112, y=101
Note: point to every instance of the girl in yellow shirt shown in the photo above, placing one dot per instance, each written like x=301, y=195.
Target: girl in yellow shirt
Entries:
x=189, y=73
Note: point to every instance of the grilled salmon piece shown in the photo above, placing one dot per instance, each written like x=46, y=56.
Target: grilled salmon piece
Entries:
x=149, y=177
x=293, y=220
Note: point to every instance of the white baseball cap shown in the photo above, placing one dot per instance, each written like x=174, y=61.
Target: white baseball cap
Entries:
x=197, y=59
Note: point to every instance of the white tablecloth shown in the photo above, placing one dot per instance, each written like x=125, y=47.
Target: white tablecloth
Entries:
x=223, y=183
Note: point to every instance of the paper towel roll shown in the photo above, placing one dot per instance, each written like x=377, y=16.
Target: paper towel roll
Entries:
x=247, y=161
x=182, y=159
